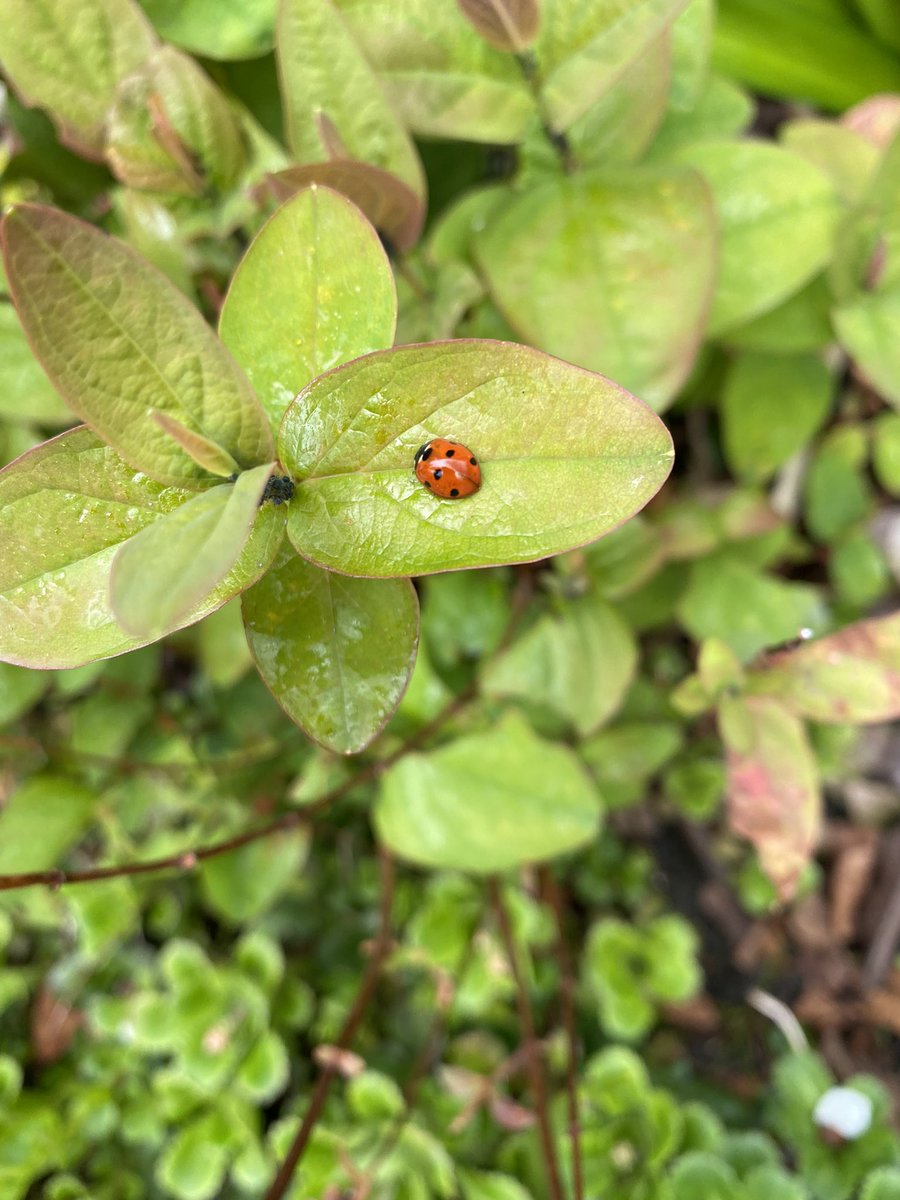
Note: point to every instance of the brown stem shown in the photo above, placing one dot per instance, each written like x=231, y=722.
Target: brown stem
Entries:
x=364, y=996
x=56, y=877
x=526, y=1020
x=567, y=995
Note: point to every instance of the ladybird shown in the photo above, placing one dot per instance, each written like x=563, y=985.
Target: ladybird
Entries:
x=448, y=469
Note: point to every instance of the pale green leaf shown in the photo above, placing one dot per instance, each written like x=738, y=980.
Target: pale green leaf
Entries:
x=119, y=341
x=488, y=802
x=171, y=567
x=583, y=49
x=65, y=509
x=774, y=795
x=566, y=456
x=579, y=662
x=242, y=884
x=336, y=652
x=323, y=72
x=68, y=59
x=172, y=130
x=614, y=272
x=40, y=821
x=869, y=330
x=461, y=88
x=238, y=29
x=20, y=689
x=772, y=405
x=314, y=290
x=777, y=215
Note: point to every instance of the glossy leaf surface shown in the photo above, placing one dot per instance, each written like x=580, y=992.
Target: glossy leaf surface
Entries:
x=488, y=802
x=164, y=572
x=118, y=341
x=65, y=509
x=612, y=272
x=314, y=290
x=773, y=788
x=565, y=455
x=336, y=652
x=69, y=60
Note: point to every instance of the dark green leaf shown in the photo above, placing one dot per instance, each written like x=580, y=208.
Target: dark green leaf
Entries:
x=240, y=29
x=336, y=652
x=41, y=820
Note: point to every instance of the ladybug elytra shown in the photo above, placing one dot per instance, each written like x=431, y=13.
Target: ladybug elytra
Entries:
x=448, y=469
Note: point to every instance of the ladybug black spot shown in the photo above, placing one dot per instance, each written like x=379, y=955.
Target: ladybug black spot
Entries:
x=427, y=484
x=438, y=474
x=450, y=453
x=474, y=462
x=454, y=491
x=426, y=453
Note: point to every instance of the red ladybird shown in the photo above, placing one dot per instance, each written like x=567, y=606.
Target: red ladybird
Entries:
x=448, y=469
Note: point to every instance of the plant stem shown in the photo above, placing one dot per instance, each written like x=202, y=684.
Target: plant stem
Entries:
x=526, y=1020
x=348, y=1031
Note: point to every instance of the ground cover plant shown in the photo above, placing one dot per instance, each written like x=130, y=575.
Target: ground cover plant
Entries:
x=363, y=835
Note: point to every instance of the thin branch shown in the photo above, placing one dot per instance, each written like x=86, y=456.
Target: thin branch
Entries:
x=567, y=996
x=526, y=1020
x=56, y=877
x=364, y=995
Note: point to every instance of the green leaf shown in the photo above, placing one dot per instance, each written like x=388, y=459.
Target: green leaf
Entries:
x=461, y=88
x=41, y=820
x=620, y=126
x=373, y=1096
x=836, y=492
x=799, y=324
x=692, y=35
x=613, y=272
x=240, y=29
x=722, y=110
x=487, y=802
x=194, y=1162
x=71, y=67
x=579, y=662
x=20, y=690
x=336, y=652
x=726, y=598
x=802, y=51
x=556, y=473
x=391, y=206
x=26, y=393
x=243, y=884
x=850, y=676
x=314, y=290
x=869, y=330
x=172, y=130
x=584, y=48
x=118, y=341
x=323, y=72
x=264, y=1073
x=886, y=451
x=702, y=1176
x=777, y=215
x=774, y=795
x=491, y=1185
x=65, y=509
x=171, y=567
x=883, y=1184
x=772, y=405
x=848, y=158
